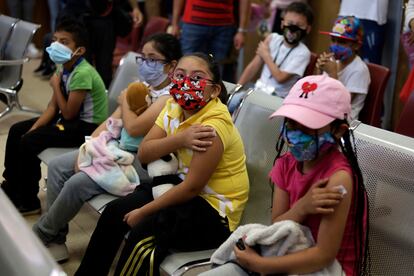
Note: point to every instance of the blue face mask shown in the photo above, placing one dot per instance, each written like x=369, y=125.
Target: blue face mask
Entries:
x=153, y=75
x=303, y=146
x=341, y=52
x=59, y=53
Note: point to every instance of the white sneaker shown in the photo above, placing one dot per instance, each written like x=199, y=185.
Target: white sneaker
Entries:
x=33, y=52
x=59, y=251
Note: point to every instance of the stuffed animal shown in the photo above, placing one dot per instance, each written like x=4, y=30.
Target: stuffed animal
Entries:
x=137, y=97
x=164, y=174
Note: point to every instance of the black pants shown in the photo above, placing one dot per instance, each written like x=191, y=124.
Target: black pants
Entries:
x=194, y=225
x=22, y=166
x=102, y=42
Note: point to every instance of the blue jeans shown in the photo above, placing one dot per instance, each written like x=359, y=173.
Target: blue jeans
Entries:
x=373, y=43
x=215, y=40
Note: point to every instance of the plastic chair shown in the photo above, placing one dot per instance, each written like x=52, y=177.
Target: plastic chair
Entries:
x=405, y=124
x=311, y=66
x=11, y=75
x=6, y=25
x=371, y=112
x=155, y=24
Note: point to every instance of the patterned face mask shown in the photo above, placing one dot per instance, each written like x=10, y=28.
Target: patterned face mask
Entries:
x=189, y=93
x=341, y=52
x=303, y=146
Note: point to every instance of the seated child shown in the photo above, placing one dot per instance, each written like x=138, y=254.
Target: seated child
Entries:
x=343, y=62
x=67, y=188
x=285, y=58
x=206, y=202
x=78, y=105
x=318, y=183
x=107, y=158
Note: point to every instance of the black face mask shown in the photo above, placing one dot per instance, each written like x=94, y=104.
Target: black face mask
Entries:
x=293, y=34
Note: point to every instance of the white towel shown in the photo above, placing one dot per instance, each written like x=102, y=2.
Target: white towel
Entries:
x=278, y=239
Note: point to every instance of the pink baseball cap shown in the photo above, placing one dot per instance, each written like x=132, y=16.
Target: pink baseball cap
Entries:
x=316, y=101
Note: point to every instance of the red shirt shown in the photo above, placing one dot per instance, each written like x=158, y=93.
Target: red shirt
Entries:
x=286, y=175
x=209, y=12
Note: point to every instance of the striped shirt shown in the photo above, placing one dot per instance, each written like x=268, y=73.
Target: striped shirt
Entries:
x=209, y=12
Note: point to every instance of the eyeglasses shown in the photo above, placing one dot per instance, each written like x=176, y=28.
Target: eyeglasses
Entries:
x=151, y=62
x=179, y=76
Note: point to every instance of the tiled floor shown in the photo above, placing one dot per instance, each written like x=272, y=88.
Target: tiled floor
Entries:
x=36, y=93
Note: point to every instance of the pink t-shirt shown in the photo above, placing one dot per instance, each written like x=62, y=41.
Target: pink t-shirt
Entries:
x=286, y=175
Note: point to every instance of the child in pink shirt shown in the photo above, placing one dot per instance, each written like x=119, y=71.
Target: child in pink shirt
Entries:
x=318, y=183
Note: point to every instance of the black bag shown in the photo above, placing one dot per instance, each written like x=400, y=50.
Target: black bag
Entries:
x=122, y=21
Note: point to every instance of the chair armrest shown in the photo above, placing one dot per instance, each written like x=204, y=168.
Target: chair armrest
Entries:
x=13, y=62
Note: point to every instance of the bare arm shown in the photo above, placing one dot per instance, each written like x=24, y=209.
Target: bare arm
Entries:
x=263, y=51
x=251, y=70
x=244, y=15
x=116, y=114
x=156, y=143
x=47, y=115
x=328, y=242
x=202, y=167
x=136, y=13
x=140, y=125
x=178, y=6
x=70, y=107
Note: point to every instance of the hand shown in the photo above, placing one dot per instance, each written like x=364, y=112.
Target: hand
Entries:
x=326, y=62
x=263, y=50
x=121, y=97
x=137, y=17
x=238, y=40
x=134, y=217
x=54, y=81
x=176, y=31
x=320, y=199
x=247, y=258
x=197, y=137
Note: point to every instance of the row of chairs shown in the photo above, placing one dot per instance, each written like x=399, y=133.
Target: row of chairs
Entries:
x=15, y=36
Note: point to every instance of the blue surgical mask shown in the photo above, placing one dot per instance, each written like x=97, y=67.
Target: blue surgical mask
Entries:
x=341, y=52
x=303, y=146
x=59, y=53
x=153, y=75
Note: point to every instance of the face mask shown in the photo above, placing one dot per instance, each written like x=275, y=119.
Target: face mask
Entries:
x=59, y=53
x=153, y=75
x=340, y=52
x=293, y=34
x=303, y=146
x=189, y=93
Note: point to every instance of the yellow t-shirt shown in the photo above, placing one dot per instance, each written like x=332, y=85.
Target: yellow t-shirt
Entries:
x=228, y=188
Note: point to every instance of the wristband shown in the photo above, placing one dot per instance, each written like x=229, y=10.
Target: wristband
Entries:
x=241, y=30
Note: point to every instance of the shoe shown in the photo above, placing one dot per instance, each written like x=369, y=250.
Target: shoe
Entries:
x=33, y=52
x=59, y=251
x=29, y=207
x=29, y=210
x=39, y=70
x=10, y=192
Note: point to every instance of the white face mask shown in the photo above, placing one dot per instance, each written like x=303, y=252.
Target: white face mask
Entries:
x=59, y=53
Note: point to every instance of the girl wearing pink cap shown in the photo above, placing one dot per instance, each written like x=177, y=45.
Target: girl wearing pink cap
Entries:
x=318, y=183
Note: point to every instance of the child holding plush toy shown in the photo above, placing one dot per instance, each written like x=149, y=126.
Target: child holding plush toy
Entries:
x=67, y=188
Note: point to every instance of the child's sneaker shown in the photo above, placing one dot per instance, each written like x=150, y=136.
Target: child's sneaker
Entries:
x=59, y=251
